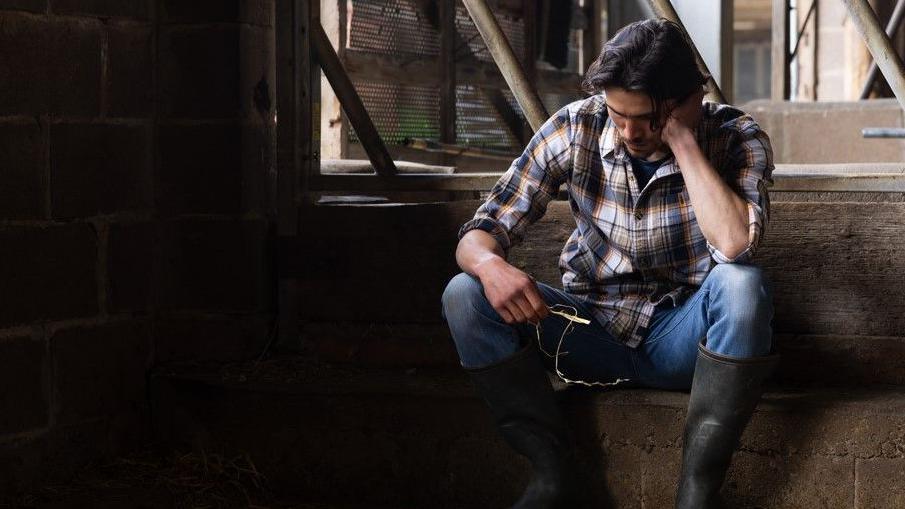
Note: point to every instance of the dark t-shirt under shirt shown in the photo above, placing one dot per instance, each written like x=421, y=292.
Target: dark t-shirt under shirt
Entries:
x=644, y=170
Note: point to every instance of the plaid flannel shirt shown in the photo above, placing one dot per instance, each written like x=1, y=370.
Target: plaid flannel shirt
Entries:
x=632, y=248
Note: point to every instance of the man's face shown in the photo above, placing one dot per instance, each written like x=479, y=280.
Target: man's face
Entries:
x=632, y=113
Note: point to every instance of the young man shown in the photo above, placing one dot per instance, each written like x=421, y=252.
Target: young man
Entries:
x=670, y=203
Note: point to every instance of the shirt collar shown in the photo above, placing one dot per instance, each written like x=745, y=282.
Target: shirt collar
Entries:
x=610, y=141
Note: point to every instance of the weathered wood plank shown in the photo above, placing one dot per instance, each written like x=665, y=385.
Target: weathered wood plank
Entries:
x=837, y=267
x=875, y=177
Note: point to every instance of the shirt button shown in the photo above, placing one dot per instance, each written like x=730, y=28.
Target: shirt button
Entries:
x=644, y=262
x=639, y=215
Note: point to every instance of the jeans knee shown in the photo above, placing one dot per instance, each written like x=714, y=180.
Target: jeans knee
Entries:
x=740, y=310
x=463, y=293
x=740, y=284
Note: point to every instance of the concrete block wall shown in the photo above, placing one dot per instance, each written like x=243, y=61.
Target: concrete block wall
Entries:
x=136, y=210
x=829, y=132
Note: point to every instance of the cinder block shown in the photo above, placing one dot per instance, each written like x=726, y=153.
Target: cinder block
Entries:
x=258, y=162
x=207, y=338
x=47, y=273
x=129, y=71
x=839, y=132
x=49, y=66
x=130, y=266
x=105, y=8
x=200, y=169
x=100, y=371
x=200, y=72
x=215, y=265
x=257, y=12
x=25, y=375
x=99, y=169
x=22, y=179
x=24, y=5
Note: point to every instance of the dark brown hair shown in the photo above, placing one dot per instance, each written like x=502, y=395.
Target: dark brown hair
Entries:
x=653, y=56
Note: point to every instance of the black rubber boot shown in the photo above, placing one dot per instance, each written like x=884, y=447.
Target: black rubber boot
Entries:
x=522, y=402
x=724, y=392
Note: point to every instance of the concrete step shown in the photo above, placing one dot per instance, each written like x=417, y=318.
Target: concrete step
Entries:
x=420, y=438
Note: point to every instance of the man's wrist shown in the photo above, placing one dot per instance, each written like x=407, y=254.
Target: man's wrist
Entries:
x=680, y=138
x=488, y=265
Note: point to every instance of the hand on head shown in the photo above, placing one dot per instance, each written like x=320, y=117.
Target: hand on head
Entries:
x=683, y=117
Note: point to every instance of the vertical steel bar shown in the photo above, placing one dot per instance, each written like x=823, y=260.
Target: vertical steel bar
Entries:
x=664, y=9
x=447, y=70
x=880, y=46
x=523, y=90
x=892, y=28
x=352, y=104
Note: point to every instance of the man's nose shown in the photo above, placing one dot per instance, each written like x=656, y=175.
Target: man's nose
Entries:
x=633, y=129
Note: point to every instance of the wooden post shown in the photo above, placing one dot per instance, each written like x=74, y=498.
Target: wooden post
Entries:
x=867, y=24
x=892, y=28
x=352, y=104
x=529, y=25
x=294, y=150
x=447, y=70
x=591, y=37
x=502, y=53
x=334, y=124
x=779, y=73
x=664, y=9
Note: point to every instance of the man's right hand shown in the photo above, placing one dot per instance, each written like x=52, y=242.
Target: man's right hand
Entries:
x=511, y=292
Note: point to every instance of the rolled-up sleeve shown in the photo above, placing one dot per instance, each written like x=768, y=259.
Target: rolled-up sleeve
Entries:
x=751, y=162
x=520, y=196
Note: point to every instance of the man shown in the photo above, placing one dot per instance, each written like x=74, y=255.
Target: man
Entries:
x=670, y=203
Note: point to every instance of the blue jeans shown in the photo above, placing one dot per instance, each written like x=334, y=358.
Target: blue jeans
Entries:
x=732, y=310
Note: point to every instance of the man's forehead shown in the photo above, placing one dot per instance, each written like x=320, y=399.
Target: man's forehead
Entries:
x=630, y=104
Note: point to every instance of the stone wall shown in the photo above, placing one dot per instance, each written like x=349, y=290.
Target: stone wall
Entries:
x=136, y=211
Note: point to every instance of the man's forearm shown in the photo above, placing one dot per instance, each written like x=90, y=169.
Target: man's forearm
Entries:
x=721, y=213
x=477, y=251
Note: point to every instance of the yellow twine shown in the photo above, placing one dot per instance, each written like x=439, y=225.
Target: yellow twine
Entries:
x=573, y=318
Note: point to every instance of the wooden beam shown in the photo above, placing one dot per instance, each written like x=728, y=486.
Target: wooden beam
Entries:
x=334, y=124
x=892, y=28
x=524, y=91
x=446, y=25
x=295, y=157
x=867, y=24
x=362, y=65
x=352, y=104
x=779, y=72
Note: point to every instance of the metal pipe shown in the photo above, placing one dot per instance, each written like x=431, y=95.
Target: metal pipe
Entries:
x=523, y=90
x=664, y=9
x=879, y=45
x=883, y=132
x=351, y=102
x=895, y=21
